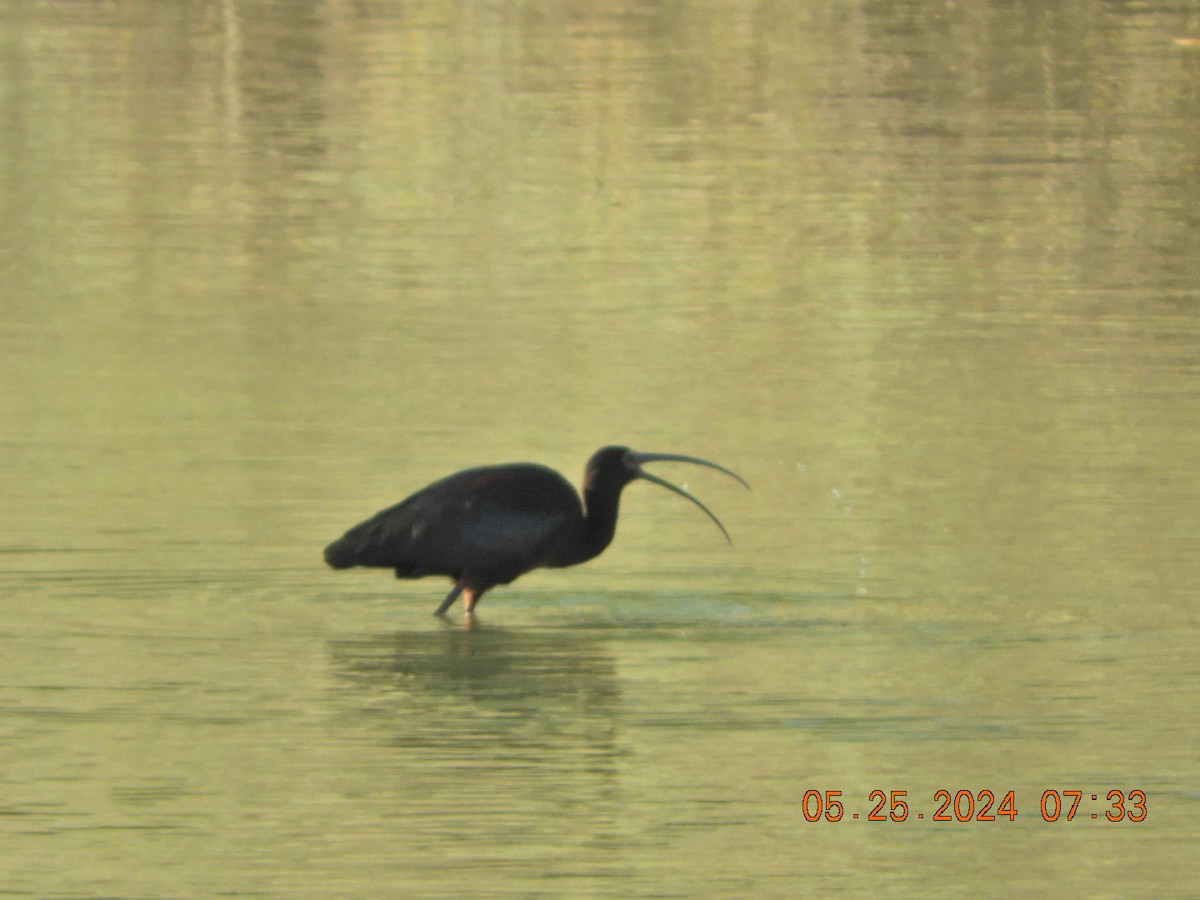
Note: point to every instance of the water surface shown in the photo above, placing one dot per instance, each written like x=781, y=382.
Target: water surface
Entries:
x=924, y=275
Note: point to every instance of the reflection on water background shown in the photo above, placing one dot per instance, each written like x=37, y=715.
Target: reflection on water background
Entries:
x=925, y=275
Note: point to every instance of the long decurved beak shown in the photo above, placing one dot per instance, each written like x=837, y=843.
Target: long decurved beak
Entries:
x=695, y=460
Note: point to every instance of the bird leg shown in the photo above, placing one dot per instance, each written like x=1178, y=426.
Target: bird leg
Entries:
x=471, y=596
x=451, y=597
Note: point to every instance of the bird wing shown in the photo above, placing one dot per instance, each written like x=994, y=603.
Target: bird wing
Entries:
x=500, y=520
x=509, y=516
x=504, y=533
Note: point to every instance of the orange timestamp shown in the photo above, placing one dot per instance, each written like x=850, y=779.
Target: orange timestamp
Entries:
x=980, y=806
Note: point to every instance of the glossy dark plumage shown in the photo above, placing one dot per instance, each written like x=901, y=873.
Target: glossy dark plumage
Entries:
x=488, y=526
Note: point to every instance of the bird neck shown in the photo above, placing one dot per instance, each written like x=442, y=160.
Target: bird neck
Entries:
x=600, y=520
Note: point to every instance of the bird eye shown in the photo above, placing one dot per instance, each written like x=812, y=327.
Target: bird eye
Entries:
x=630, y=460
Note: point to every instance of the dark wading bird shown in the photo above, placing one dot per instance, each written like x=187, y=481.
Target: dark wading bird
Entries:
x=488, y=526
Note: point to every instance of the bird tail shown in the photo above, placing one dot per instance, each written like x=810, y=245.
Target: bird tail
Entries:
x=342, y=554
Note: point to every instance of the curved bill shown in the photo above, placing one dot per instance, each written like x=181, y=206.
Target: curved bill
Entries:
x=672, y=457
x=675, y=457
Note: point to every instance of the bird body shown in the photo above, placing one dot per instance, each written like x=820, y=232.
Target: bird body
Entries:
x=506, y=519
x=487, y=526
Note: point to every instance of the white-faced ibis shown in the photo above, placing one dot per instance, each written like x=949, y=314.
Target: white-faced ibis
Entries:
x=488, y=526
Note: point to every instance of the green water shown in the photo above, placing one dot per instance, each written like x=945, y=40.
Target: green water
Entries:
x=924, y=275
